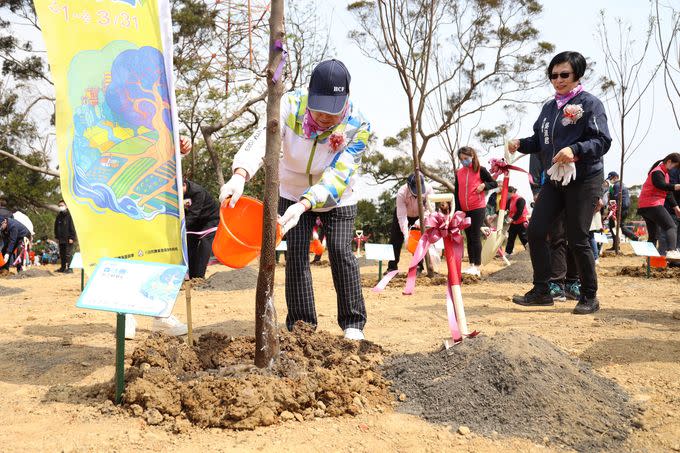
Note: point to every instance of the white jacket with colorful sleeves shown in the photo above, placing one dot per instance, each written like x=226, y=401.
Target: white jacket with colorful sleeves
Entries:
x=308, y=167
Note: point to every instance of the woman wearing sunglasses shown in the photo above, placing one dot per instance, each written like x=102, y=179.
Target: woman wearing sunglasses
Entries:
x=572, y=128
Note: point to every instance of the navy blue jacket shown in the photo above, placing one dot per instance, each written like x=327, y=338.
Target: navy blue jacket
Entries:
x=15, y=232
x=673, y=178
x=614, y=195
x=588, y=138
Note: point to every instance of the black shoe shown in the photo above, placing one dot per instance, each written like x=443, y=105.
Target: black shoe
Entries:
x=68, y=271
x=586, y=305
x=534, y=298
x=61, y=269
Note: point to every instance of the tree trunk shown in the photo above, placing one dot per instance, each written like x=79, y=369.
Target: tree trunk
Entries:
x=207, y=137
x=419, y=189
x=266, y=334
x=619, y=201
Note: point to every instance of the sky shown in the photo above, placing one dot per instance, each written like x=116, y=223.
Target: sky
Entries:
x=568, y=25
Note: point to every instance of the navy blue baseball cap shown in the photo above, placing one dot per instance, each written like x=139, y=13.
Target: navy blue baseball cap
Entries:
x=329, y=87
x=612, y=174
x=411, y=181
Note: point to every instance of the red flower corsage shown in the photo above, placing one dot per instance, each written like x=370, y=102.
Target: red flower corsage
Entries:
x=336, y=142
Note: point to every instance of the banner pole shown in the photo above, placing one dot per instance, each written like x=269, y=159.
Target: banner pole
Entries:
x=120, y=357
x=648, y=268
x=82, y=279
x=379, y=270
x=190, y=333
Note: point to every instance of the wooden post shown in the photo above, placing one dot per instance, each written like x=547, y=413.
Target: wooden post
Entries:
x=190, y=327
x=266, y=334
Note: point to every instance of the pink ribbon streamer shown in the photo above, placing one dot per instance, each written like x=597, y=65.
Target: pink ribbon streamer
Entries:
x=500, y=166
x=204, y=233
x=439, y=226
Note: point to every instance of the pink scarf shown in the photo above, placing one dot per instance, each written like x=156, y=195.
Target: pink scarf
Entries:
x=562, y=99
x=312, y=128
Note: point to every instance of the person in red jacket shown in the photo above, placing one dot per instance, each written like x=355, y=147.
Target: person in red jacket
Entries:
x=517, y=216
x=655, y=191
x=472, y=183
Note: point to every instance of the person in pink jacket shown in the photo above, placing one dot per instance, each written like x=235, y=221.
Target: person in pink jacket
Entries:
x=406, y=215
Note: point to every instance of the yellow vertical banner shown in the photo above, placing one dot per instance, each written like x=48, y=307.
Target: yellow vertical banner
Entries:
x=111, y=63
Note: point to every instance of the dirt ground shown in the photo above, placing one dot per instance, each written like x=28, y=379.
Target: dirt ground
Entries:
x=54, y=355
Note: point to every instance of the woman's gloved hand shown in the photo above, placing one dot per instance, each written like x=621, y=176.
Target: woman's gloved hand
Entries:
x=233, y=188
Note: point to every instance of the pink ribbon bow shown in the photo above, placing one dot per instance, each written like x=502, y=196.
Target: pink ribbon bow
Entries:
x=439, y=226
x=500, y=166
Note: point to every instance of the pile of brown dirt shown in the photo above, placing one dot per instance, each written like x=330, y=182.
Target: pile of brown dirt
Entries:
x=32, y=272
x=399, y=280
x=641, y=271
x=520, y=271
x=215, y=383
x=515, y=384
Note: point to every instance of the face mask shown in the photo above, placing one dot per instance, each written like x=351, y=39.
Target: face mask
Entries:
x=62, y=208
x=466, y=162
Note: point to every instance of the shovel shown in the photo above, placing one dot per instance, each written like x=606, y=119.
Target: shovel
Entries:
x=496, y=238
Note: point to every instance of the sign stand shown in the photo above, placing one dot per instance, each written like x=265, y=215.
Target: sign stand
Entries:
x=120, y=357
x=190, y=332
x=77, y=263
x=379, y=253
x=647, y=250
x=132, y=287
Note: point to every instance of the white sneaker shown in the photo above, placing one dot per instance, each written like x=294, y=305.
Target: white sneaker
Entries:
x=472, y=270
x=130, y=327
x=354, y=334
x=673, y=255
x=170, y=326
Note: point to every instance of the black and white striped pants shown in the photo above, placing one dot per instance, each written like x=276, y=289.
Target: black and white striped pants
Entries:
x=339, y=228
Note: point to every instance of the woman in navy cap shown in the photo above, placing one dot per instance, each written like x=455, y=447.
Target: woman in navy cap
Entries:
x=323, y=138
x=406, y=215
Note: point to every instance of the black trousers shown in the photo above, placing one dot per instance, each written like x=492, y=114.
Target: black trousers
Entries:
x=473, y=235
x=661, y=227
x=515, y=231
x=397, y=241
x=199, y=250
x=577, y=200
x=339, y=229
x=627, y=232
x=65, y=254
x=562, y=262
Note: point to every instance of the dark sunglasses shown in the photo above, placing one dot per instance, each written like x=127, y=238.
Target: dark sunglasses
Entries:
x=561, y=75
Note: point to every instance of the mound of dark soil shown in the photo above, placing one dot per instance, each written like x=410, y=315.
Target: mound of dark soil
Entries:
x=215, y=383
x=520, y=271
x=515, y=384
x=4, y=291
x=233, y=280
x=32, y=272
x=641, y=271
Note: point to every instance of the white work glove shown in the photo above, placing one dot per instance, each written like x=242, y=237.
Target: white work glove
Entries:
x=233, y=188
x=315, y=236
x=291, y=217
x=6, y=257
x=569, y=173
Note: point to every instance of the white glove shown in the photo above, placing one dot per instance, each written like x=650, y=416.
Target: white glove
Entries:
x=416, y=224
x=233, y=188
x=6, y=257
x=569, y=173
x=291, y=217
x=315, y=236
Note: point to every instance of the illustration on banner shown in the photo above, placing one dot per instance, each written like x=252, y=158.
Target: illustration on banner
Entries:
x=122, y=154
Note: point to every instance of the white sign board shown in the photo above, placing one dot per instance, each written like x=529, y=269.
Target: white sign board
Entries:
x=379, y=252
x=644, y=248
x=601, y=238
x=135, y=287
x=282, y=247
x=77, y=261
